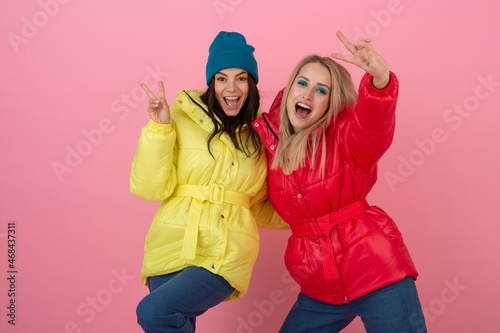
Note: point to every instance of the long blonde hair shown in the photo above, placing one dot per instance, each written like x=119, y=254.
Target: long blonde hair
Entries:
x=294, y=148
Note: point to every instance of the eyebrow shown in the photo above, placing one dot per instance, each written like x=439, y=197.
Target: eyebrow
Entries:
x=243, y=72
x=319, y=83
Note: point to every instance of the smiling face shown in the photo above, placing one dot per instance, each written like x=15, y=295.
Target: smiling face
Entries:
x=309, y=96
x=231, y=89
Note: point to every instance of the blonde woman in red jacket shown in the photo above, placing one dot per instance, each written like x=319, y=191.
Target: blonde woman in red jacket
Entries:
x=323, y=142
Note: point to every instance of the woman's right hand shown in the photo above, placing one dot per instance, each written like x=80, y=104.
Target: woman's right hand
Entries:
x=158, y=108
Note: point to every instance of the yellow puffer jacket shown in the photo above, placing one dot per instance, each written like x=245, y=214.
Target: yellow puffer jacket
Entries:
x=211, y=205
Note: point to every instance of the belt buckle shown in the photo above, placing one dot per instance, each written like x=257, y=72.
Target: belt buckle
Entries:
x=217, y=194
x=314, y=231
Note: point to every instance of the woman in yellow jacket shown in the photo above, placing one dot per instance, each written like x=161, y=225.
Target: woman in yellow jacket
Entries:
x=203, y=159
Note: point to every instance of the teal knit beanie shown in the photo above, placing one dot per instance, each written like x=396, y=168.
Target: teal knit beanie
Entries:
x=230, y=50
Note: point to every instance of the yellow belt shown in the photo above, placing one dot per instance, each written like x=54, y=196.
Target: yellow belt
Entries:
x=215, y=194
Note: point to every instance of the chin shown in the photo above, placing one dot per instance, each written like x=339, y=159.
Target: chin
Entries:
x=232, y=113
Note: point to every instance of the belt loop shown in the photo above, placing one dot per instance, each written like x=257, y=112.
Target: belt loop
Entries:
x=315, y=231
x=216, y=194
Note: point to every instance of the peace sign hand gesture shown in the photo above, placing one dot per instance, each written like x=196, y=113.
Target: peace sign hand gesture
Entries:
x=158, y=108
x=365, y=58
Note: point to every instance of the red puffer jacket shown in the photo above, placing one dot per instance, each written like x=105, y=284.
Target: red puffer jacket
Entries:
x=341, y=248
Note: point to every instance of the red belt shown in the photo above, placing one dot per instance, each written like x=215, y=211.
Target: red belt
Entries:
x=322, y=227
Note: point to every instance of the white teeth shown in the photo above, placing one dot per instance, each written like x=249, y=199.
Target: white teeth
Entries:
x=231, y=97
x=302, y=105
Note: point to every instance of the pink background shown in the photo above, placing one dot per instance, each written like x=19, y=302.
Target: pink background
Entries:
x=70, y=98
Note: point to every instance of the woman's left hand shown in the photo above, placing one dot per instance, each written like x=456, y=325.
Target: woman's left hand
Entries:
x=365, y=58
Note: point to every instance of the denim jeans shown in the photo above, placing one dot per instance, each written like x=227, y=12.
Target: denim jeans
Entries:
x=176, y=299
x=392, y=309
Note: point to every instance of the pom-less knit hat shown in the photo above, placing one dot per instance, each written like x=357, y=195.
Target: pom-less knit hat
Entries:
x=230, y=50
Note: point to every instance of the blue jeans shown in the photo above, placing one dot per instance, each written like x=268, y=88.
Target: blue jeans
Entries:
x=392, y=309
x=176, y=299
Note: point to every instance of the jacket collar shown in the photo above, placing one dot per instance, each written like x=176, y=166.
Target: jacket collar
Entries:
x=189, y=101
x=267, y=124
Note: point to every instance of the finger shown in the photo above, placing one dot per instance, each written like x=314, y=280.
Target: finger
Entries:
x=370, y=54
x=373, y=57
x=366, y=40
x=147, y=90
x=344, y=57
x=346, y=42
x=361, y=44
x=161, y=89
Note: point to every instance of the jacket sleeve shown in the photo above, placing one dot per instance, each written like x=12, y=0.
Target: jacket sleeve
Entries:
x=368, y=133
x=153, y=174
x=264, y=213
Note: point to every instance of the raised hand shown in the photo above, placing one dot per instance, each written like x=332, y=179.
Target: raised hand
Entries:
x=158, y=108
x=365, y=58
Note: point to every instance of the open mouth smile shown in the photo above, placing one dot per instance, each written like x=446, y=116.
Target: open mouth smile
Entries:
x=232, y=102
x=302, y=110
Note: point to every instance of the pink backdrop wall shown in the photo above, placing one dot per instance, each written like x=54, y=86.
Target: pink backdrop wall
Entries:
x=72, y=109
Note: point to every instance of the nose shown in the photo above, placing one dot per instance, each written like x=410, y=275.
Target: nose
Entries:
x=231, y=85
x=308, y=94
